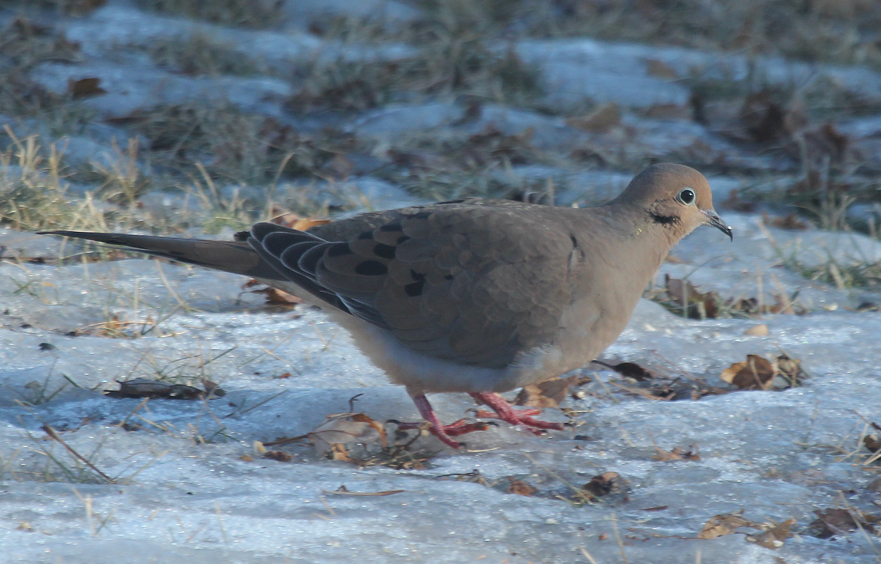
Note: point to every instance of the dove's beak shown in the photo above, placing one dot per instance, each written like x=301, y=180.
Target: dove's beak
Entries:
x=717, y=222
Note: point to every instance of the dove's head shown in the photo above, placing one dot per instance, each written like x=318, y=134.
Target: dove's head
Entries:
x=675, y=196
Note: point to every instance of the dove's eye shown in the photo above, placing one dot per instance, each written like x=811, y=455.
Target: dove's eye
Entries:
x=686, y=196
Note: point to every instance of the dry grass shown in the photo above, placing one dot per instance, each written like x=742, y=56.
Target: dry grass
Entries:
x=66, y=7
x=243, y=13
x=447, y=64
x=33, y=192
x=839, y=31
x=201, y=54
x=232, y=145
x=24, y=46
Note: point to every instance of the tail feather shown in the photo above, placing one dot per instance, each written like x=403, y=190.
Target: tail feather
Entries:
x=236, y=257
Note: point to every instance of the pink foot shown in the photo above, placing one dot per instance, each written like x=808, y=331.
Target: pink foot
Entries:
x=438, y=429
x=506, y=413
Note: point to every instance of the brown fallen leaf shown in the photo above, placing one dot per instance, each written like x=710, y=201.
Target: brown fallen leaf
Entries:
x=763, y=118
x=84, y=88
x=723, y=524
x=773, y=535
x=607, y=483
x=633, y=370
x=872, y=443
x=694, y=304
x=678, y=453
x=274, y=296
x=790, y=368
x=757, y=331
x=293, y=220
x=756, y=373
x=788, y=221
x=344, y=428
x=278, y=455
x=145, y=388
x=658, y=68
x=343, y=490
x=519, y=487
x=600, y=120
x=668, y=111
x=839, y=521
x=339, y=167
x=339, y=452
x=545, y=394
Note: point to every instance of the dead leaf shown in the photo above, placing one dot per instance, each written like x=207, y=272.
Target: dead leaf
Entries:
x=668, y=111
x=339, y=167
x=678, y=453
x=145, y=388
x=660, y=69
x=757, y=331
x=274, y=296
x=788, y=221
x=278, y=455
x=545, y=394
x=521, y=488
x=342, y=490
x=84, y=87
x=607, y=483
x=280, y=216
x=633, y=370
x=774, y=535
x=838, y=522
x=600, y=120
x=736, y=203
x=212, y=389
x=339, y=452
x=345, y=428
x=756, y=373
x=789, y=368
x=763, y=118
x=723, y=524
x=696, y=305
x=872, y=443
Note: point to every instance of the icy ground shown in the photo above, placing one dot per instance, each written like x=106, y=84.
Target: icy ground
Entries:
x=184, y=489
x=176, y=481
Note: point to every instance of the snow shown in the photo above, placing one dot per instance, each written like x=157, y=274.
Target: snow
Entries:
x=183, y=493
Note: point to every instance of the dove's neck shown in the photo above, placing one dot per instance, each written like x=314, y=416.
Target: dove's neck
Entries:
x=646, y=238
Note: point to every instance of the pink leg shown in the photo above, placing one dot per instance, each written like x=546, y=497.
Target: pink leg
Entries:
x=507, y=413
x=438, y=429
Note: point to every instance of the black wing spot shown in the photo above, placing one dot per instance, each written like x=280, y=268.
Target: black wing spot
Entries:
x=417, y=276
x=339, y=250
x=242, y=236
x=365, y=235
x=402, y=238
x=415, y=289
x=384, y=251
x=391, y=227
x=371, y=268
x=448, y=277
x=574, y=241
x=419, y=215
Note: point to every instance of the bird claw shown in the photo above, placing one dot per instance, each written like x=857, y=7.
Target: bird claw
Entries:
x=444, y=432
x=505, y=412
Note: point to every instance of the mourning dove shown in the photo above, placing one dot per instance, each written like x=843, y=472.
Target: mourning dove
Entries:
x=473, y=295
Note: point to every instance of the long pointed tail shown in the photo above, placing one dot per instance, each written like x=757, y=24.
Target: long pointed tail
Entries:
x=230, y=256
